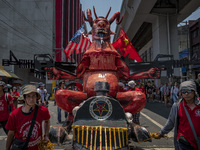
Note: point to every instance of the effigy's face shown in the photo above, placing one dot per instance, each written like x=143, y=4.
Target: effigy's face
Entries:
x=101, y=29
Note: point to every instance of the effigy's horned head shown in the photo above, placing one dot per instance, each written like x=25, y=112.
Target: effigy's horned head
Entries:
x=101, y=26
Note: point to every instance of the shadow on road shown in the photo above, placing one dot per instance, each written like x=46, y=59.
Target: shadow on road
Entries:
x=159, y=108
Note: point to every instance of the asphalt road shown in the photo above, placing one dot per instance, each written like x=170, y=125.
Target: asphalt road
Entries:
x=153, y=117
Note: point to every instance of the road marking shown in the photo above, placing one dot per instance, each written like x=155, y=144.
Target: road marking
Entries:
x=170, y=134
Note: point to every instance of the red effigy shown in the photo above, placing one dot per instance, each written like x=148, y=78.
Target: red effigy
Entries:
x=101, y=62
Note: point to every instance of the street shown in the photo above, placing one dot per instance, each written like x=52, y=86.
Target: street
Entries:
x=153, y=117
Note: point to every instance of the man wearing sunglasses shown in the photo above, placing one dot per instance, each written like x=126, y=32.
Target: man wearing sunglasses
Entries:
x=183, y=134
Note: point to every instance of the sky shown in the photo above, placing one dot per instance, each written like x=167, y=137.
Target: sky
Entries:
x=101, y=8
x=194, y=16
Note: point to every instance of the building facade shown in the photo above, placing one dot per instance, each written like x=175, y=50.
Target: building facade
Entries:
x=194, y=32
x=36, y=27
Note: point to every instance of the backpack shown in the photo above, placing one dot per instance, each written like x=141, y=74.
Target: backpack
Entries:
x=9, y=107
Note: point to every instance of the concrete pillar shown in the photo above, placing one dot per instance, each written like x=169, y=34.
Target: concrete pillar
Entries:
x=165, y=38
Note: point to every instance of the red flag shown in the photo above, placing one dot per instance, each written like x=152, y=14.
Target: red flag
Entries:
x=124, y=44
x=79, y=43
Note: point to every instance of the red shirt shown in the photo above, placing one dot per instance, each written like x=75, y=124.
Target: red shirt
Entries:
x=4, y=112
x=136, y=89
x=142, y=89
x=184, y=125
x=15, y=94
x=20, y=123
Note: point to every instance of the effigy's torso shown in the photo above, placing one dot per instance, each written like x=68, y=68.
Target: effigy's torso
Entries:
x=101, y=63
x=102, y=67
x=90, y=77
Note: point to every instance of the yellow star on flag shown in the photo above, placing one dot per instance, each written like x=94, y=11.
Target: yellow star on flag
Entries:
x=126, y=41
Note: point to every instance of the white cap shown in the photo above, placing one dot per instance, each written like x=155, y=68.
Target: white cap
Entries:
x=131, y=84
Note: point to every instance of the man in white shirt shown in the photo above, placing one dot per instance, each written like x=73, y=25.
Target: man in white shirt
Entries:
x=174, y=92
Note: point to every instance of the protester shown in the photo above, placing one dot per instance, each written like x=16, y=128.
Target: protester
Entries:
x=149, y=91
x=136, y=116
x=142, y=89
x=15, y=95
x=154, y=93
x=166, y=94
x=121, y=87
x=170, y=86
x=6, y=100
x=197, y=81
x=161, y=93
x=54, y=92
x=174, y=94
x=126, y=88
x=8, y=88
x=183, y=134
x=20, y=121
x=61, y=87
x=43, y=92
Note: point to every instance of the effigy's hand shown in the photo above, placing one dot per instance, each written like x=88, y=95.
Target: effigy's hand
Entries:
x=154, y=73
x=53, y=73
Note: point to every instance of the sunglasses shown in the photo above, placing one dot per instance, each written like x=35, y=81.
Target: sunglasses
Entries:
x=187, y=91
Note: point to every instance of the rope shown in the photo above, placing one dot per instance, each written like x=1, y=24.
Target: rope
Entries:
x=153, y=135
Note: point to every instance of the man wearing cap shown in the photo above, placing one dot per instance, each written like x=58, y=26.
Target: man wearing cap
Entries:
x=183, y=135
x=43, y=93
x=20, y=120
x=15, y=95
x=5, y=100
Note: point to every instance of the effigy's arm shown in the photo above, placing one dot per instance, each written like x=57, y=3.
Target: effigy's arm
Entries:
x=84, y=64
x=152, y=73
x=122, y=68
x=55, y=74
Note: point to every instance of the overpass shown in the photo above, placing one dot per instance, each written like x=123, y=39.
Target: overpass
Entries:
x=151, y=25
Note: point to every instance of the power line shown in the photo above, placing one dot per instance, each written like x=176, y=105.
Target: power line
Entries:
x=43, y=16
x=27, y=20
x=25, y=51
x=21, y=37
x=21, y=32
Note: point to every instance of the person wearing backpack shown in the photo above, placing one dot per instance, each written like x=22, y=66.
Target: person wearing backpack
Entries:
x=174, y=94
x=15, y=94
x=166, y=94
x=6, y=100
x=43, y=92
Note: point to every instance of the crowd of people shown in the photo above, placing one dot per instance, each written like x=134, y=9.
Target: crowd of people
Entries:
x=24, y=129
x=184, y=116
x=165, y=93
